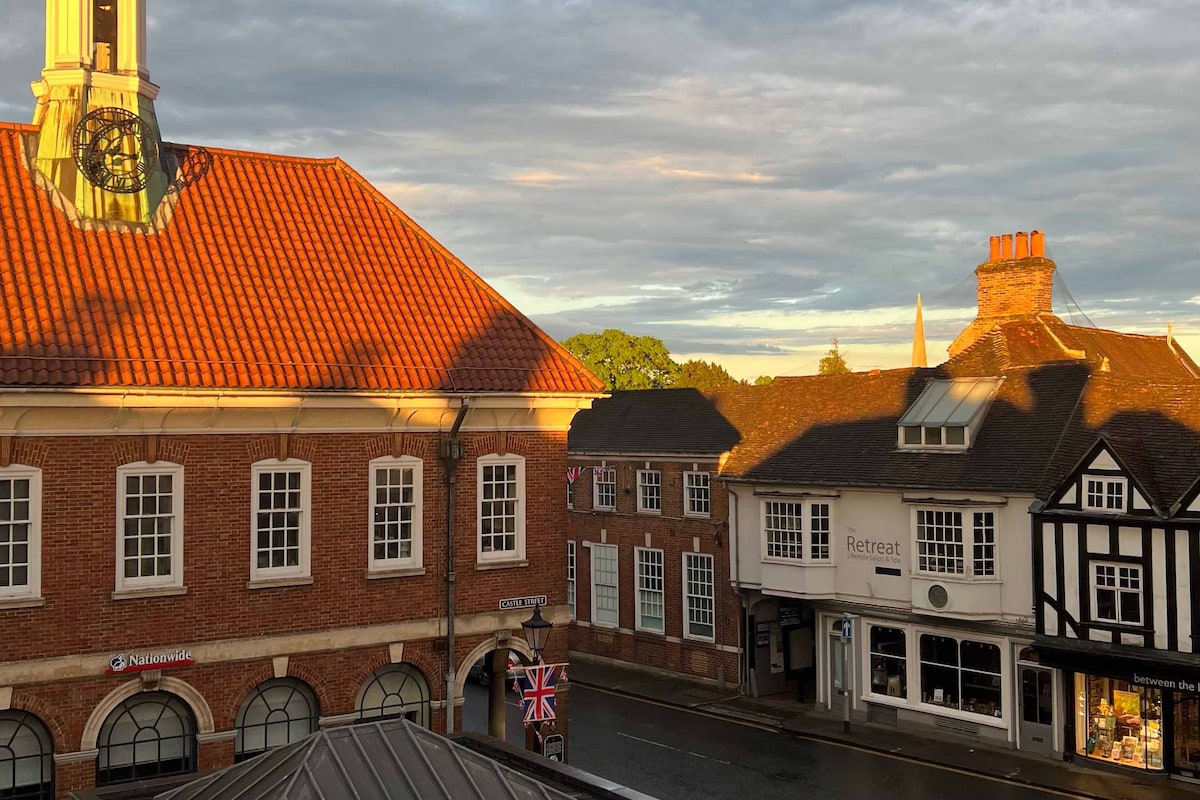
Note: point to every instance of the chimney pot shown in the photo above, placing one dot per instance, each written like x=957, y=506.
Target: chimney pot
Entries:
x=994, y=248
x=1006, y=246
x=1037, y=244
x=1022, y=245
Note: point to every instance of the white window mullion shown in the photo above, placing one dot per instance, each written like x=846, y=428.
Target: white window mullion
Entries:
x=149, y=526
x=20, y=532
x=501, y=508
x=648, y=569
x=280, y=520
x=699, y=610
x=606, y=600
x=396, y=512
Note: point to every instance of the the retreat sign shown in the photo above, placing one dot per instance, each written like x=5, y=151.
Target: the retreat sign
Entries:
x=140, y=662
x=860, y=548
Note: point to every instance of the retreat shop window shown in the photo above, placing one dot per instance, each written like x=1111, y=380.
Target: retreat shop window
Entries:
x=571, y=577
x=649, y=589
x=396, y=511
x=280, y=544
x=783, y=524
x=889, y=662
x=699, y=612
x=941, y=546
x=697, y=500
x=1118, y=596
x=1104, y=494
x=149, y=525
x=606, y=605
x=604, y=484
x=20, y=532
x=501, y=492
x=964, y=675
x=649, y=483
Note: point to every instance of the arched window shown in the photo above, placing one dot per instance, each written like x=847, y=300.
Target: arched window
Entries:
x=26, y=758
x=147, y=735
x=277, y=712
x=397, y=690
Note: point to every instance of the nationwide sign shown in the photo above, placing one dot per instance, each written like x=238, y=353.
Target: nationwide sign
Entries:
x=140, y=662
x=522, y=602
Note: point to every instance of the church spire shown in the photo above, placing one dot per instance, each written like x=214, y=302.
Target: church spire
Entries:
x=98, y=139
x=918, y=354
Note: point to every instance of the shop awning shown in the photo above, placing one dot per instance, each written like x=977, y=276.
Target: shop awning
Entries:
x=1150, y=668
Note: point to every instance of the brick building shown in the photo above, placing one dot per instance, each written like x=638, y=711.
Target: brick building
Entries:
x=247, y=407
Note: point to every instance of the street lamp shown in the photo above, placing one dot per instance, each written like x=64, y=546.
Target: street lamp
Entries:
x=537, y=631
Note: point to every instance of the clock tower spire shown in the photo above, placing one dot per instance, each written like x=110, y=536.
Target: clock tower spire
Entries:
x=98, y=140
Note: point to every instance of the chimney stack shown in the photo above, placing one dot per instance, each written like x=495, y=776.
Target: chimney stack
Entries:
x=1006, y=246
x=1037, y=244
x=1022, y=245
x=993, y=248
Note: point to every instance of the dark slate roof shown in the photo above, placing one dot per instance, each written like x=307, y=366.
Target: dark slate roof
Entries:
x=667, y=421
x=840, y=430
x=1045, y=338
x=384, y=760
x=1153, y=428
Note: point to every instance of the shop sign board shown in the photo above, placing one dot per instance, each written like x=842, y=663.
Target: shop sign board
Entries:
x=511, y=603
x=790, y=616
x=140, y=662
x=552, y=747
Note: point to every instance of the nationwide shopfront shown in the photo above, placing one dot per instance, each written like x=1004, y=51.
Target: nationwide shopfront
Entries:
x=1132, y=712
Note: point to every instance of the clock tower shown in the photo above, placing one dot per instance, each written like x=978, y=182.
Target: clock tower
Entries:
x=98, y=140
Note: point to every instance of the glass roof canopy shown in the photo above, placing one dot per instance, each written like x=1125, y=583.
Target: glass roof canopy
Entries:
x=946, y=411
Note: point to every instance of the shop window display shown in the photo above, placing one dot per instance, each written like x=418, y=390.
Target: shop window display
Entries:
x=963, y=675
x=1118, y=722
x=889, y=665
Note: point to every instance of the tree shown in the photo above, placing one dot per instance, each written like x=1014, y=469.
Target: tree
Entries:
x=697, y=374
x=623, y=361
x=763, y=380
x=833, y=363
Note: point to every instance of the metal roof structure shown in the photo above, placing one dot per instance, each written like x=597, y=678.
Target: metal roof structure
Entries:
x=388, y=760
x=951, y=402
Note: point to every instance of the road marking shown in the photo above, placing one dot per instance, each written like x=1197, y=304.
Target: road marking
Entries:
x=699, y=712
x=669, y=747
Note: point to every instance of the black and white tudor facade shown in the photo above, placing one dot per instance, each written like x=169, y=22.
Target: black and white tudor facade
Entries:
x=1116, y=546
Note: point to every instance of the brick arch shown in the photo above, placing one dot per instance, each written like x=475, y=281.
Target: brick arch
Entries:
x=318, y=683
x=478, y=652
x=182, y=689
x=418, y=663
x=54, y=723
x=241, y=691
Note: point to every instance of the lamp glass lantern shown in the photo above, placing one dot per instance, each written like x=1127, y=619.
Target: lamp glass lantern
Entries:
x=537, y=631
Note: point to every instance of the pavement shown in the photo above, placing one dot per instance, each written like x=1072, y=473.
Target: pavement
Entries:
x=961, y=754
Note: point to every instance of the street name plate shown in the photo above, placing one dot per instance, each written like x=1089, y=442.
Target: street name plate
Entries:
x=509, y=603
x=552, y=747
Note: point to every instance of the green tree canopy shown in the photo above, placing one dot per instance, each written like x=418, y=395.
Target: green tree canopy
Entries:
x=763, y=380
x=832, y=363
x=623, y=361
x=697, y=374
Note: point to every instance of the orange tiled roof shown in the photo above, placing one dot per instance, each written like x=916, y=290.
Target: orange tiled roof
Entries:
x=273, y=273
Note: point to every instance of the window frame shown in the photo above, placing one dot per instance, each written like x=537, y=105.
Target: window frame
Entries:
x=639, y=589
x=959, y=638
x=691, y=493
x=259, y=692
x=304, y=568
x=32, y=588
x=598, y=474
x=518, y=551
x=572, y=578
x=804, y=542
x=979, y=542
x=645, y=487
x=417, y=559
x=873, y=653
x=1106, y=483
x=597, y=548
x=1118, y=592
x=686, y=585
x=144, y=469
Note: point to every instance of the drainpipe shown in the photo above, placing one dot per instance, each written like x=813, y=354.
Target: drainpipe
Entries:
x=450, y=452
x=743, y=632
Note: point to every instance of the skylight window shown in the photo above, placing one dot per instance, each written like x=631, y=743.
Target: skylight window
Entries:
x=947, y=414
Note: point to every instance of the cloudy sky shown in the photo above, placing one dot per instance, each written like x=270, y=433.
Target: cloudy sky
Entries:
x=744, y=179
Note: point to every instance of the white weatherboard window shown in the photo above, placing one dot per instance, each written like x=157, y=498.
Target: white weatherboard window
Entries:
x=649, y=491
x=20, y=532
x=1102, y=493
x=149, y=525
x=501, y=493
x=942, y=542
x=697, y=501
x=396, y=513
x=604, y=489
x=699, y=611
x=606, y=600
x=1118, y=593
x=649, y=566
x=783, y=530
x=571, y=577
x=280, y=521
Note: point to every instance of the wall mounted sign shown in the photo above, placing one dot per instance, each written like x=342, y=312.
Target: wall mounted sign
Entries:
x=862, y=549
x=510, y=603
x=140, y=662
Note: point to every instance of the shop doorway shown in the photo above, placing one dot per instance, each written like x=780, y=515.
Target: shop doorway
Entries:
x=1187, y=734
x=836, y=673
x=1037, y=708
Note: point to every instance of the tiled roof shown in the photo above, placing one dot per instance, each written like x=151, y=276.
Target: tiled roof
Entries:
x=1039, y=339
x=272, y=273
x=667, y=421
x=841, y=430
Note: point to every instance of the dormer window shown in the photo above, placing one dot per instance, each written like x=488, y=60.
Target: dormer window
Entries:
x=947, y=414
x=1103, y=493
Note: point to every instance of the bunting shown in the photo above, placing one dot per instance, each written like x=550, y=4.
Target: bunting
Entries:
x=573, y=473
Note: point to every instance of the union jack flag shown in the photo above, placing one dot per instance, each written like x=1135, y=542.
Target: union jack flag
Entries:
x=537, y=692
x=573, y=473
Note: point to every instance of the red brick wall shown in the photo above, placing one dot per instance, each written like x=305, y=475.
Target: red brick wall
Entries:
x=1015, y=287
x=674, y=534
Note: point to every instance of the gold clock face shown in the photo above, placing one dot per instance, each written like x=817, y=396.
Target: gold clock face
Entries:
x=116, y=150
